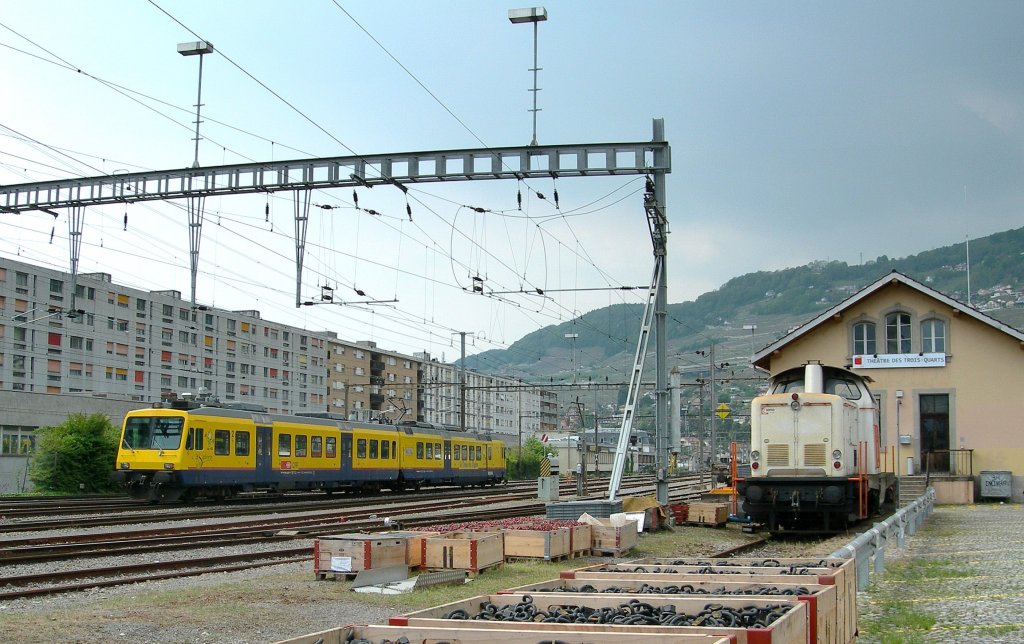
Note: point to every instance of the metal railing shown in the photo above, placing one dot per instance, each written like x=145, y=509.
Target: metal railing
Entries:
x=869, y=547
x=954, y=462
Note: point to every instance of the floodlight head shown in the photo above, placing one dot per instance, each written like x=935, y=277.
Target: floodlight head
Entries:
x=197, y=48
x=530, y=14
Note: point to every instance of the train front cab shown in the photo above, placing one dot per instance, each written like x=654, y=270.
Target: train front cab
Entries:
x=814, y=461
x=150, y=455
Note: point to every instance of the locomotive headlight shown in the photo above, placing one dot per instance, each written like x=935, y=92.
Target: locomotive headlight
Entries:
x=168, y=466
x=836, y=455
x=755, y=455
x=125, y=466
x=794, y=404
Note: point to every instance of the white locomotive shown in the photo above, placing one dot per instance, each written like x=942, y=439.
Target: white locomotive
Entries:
x=815, y=452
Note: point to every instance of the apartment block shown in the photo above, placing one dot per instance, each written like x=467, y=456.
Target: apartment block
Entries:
x=102, y=337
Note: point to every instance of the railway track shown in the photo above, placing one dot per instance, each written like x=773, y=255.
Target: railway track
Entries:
x=270, y=540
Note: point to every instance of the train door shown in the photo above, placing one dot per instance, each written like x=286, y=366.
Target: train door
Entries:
x=346, y=455
x=448, y=471
x=263, y=453
x=935, y=432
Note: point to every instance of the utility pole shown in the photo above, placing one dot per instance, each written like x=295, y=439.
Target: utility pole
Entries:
x=714, y=437
x=462, y=383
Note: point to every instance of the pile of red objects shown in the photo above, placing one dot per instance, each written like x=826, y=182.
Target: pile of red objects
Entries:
x=514, y=523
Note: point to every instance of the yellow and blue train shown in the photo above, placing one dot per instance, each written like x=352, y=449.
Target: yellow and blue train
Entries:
x=183, y=450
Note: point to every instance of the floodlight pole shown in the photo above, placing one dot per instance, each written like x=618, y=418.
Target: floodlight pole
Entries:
x=534, y=15
x=198, y=48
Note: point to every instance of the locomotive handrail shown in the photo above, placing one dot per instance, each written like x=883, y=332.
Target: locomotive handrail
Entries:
x=868, y=548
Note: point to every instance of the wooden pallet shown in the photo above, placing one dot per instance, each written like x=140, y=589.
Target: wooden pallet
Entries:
x=720, y=524
x=561, y=557
x=471, y=573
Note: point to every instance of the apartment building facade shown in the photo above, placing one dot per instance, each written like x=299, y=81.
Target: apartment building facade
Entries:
x=102, y=337
x=365, y=382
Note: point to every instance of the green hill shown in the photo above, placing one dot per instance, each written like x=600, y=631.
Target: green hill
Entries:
x=775, y=301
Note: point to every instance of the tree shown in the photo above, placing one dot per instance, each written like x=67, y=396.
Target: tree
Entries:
x=76, y=456
x=533, y=452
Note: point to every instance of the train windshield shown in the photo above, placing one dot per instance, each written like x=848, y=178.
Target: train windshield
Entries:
x=153, y=432
x=837, y=386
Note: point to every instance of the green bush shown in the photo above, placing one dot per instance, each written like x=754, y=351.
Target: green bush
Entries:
x=76, y=456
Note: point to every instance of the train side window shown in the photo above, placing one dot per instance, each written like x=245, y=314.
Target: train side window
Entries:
x=361, y=448
x=190, y=439
x=373, y=448
x=430, y=451
x=490, y=454
x=332, y=446
x=419, y=451
x=284, y=445
x=465, y=452
x=472, y=454
x=394, y=449
x=221, y=442
x=199, y=438
x=300, y=444
x=437, y=450
x=241, y=443
x=478, y=453
x=316, y=444
x=384, y=450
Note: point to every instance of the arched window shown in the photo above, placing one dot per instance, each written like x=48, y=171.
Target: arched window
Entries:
x=897, y=332
x=933, y=336
x=864, y=339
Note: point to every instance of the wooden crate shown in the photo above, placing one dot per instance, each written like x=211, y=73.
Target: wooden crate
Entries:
x=840, y=571
x=469, y=551
x=512, y=635
x=537, y=544
x=790, y=628
x=715, y=514
x=347, y=554
x=612, y=540
x=580, y=540
x=823, y=615
x=413, y=544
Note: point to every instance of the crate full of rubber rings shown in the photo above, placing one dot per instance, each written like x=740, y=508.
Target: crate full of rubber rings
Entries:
x=751, y=620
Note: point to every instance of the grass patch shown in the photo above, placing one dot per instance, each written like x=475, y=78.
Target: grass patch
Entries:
x=916, y=570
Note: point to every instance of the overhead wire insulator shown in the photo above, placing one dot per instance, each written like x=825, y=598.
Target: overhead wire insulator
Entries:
x=126, y=220
x=355, y=198
x=373, y=212
x=519, y=198
x=540, y=195
x=556, y=197
x=408, y=210
x=266, y=211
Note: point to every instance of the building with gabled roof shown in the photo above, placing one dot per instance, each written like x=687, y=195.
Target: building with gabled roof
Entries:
x=947, y=379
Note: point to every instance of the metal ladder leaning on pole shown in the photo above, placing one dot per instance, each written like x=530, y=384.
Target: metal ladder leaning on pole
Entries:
x=634, y=383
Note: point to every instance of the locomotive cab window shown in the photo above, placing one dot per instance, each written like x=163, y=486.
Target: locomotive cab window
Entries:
x=284, y=445
x=153, y=433
x=842, y=387
x=300, y=444
x=222, y=442
x=316, y=444
x=241, y=443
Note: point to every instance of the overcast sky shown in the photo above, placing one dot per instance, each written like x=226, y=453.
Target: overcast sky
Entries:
x=800, y=131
